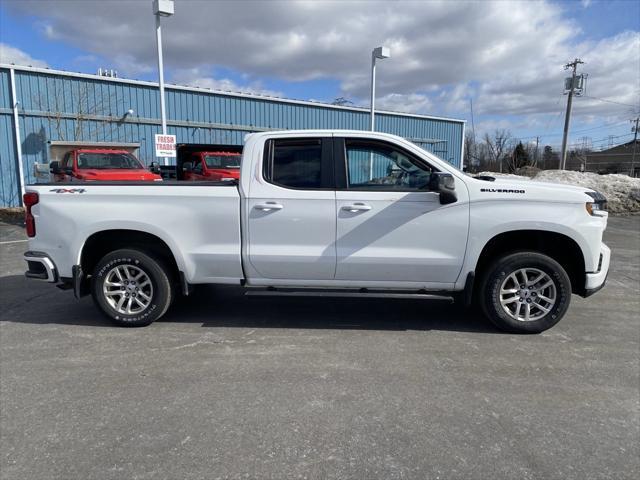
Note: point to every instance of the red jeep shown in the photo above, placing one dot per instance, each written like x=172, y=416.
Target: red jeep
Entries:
x=87, y=164
x=212, y=166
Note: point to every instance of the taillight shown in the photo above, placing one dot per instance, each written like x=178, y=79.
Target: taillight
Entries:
x=30, y=199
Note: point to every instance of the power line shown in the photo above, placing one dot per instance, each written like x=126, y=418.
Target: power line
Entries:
x=635, y=145
x=601, y=140
x=599, y=127
x=554, y=118
x=611, y=101
x=606, y=139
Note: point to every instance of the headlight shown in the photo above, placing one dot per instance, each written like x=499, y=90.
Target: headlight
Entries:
x=598, y=206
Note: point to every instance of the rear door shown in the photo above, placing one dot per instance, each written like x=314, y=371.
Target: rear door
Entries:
x=197, y=172
x=67, y=162
x=291, y=212
x=390, y=228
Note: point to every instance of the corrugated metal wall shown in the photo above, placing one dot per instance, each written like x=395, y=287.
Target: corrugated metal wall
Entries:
x=57, y=105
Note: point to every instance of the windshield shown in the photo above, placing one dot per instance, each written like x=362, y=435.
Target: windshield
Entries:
x=222, y=161
x=108, y=161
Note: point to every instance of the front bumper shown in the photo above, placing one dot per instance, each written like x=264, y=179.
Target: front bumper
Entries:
x=596, y=280
x=41, y=267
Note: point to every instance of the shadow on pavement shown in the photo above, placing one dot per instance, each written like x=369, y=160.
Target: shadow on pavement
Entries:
x=25, y=301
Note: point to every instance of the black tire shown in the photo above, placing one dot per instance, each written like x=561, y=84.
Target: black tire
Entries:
x=496, y=275
x=157, y=287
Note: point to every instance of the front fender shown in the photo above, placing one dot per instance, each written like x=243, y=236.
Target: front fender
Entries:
x=490, y=219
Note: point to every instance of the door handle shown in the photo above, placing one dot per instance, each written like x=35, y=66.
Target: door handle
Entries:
x=357, y=207
x=268, y=206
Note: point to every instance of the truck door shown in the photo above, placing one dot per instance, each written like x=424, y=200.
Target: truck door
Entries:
x=389, y=227
x=291, y=212
x=67, y=162
x=198, y=168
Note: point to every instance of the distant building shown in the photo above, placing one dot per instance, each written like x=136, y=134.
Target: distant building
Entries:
x=617, y=159
x=39, y=105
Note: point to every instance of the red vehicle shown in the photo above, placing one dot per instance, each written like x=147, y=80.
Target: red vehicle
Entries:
x=100, y=164
x=212, y=166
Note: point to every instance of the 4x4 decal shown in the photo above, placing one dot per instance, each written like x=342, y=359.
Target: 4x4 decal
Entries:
x=68, y=190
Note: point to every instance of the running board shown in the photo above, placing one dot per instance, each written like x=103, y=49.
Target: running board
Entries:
x=355, y=294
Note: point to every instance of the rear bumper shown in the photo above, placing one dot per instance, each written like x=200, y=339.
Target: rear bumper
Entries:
x=596, y=280
x=40, y=267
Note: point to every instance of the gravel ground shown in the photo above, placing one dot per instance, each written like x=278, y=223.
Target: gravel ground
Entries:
x=231, y=387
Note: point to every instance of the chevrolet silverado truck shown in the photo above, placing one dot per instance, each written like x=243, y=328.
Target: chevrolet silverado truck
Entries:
x=100, y=164
x=217, y=166
x=317, y=212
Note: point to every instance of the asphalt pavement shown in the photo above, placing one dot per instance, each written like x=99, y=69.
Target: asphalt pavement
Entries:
x=226, y=386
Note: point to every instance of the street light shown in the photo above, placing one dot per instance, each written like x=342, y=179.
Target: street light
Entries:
x=162, y=8
x=379, y=52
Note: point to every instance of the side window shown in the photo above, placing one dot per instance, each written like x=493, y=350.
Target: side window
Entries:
x=382, y=166
x=294, y=163
x=65, y=160
x=197, y=163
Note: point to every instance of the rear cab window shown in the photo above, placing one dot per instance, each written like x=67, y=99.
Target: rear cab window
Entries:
x=303, y=164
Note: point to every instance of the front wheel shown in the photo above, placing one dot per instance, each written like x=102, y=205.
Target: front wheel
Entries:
x=131, y=288
x=525, y=292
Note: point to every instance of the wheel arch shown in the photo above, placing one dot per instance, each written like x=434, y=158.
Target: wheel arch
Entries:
x=101, y=242
x=562, y=248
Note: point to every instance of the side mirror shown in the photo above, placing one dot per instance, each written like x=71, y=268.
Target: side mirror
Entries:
x=54, y=167
x=187, y=167
x=445, y=185
x=154, y=167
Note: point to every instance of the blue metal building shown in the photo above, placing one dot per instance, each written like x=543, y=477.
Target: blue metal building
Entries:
x=38, y=105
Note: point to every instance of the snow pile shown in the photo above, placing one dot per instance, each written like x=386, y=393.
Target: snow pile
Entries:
x=622, y=191
x=500, y=175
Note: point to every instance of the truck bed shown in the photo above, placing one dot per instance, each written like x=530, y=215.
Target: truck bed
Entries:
x=196, y=220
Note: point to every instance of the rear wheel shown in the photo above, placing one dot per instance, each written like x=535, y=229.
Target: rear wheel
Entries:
x=131, y=288
x=525, y=292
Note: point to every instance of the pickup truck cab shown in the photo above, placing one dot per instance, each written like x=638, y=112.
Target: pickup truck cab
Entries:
x=99, y=164
x=325, y=213
x=217, y=166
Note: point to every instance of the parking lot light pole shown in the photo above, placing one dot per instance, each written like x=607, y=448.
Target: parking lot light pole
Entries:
x=377, y=53
x=162, y=8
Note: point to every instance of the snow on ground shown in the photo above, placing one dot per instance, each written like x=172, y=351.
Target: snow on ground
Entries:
x=500, y=175
x=622, y=191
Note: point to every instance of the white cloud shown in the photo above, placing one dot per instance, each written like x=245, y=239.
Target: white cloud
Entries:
x=508, y=56
x=410, y=103
x=195, y=77
x=9, y=54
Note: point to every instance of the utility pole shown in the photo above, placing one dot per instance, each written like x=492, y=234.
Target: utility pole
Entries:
x=635, y=145
x=535, y=155
x=162, y=8
x=573, y=65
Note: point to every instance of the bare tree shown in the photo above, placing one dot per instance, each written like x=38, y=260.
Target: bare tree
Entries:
x=470, y=159
x=497, y=146
x=84, y=112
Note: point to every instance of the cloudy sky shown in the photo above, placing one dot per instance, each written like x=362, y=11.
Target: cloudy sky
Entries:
x=506, y=56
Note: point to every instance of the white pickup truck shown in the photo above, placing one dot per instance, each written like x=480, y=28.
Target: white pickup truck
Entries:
x=320, y=212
